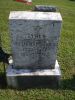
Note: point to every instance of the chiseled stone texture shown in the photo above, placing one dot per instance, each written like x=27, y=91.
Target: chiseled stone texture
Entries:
x=34, y=37
x=25, y=78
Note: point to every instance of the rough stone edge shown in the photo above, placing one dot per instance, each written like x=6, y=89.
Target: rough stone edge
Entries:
x=12, y=78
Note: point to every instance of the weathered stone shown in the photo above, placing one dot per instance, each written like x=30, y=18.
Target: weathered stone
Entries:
x=25, y=78
x=45, y=8
x=34, y=37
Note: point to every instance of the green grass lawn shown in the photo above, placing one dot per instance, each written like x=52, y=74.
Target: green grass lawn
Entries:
x=66, y=52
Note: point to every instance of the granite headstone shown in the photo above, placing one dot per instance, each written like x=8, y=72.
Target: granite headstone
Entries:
x=45, y=8
x=34, y=37
x=34, y=41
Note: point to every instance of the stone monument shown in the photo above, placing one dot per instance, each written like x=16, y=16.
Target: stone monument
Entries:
x=34, y=41
x=45, y=8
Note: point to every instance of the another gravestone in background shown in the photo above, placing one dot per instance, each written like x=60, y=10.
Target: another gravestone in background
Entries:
x=45, y=8
x=34, y=37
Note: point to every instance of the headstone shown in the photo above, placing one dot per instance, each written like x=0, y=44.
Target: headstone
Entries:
x=34, y=38
x=45, y=8
x=34, y=41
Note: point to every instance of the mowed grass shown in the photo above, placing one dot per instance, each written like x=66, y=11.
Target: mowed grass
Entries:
x=65, y=55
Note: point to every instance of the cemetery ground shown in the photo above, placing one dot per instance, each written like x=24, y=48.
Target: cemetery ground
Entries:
x=65, y=54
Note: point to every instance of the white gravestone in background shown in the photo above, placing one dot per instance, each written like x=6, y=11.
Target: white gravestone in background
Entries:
x=34, y=37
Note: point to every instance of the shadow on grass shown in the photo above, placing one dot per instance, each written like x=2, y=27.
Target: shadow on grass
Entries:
x=3, y=84
x=72, y=0
x=68, y=84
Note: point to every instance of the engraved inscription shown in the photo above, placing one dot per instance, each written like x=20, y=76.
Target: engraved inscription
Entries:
x=34, y=45
x=34, y=38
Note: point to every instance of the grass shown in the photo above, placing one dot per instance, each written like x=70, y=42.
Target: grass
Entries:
x=66, y=52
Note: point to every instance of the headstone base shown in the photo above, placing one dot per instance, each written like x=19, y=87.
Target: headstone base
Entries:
x=26, y=78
